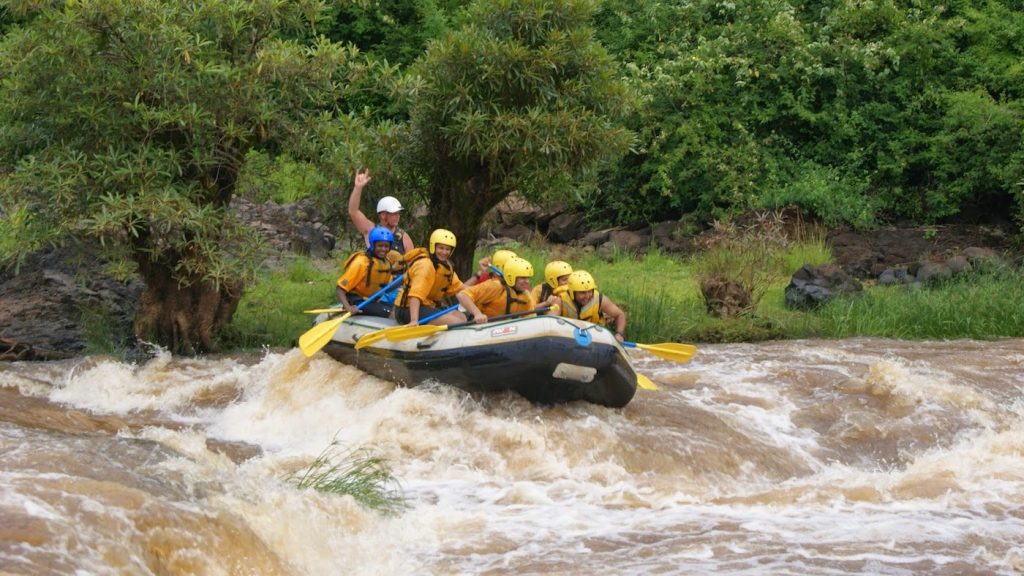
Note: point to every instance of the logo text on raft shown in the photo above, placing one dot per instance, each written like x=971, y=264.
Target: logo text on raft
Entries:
x=504, y=331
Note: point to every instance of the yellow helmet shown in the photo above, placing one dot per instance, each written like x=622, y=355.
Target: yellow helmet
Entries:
x=515, y=268
x=500, y=257
x=555, y=269
x=581, y=281
x=441, y=236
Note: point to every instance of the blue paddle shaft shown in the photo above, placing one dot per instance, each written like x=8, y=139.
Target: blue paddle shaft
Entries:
x=438, y=314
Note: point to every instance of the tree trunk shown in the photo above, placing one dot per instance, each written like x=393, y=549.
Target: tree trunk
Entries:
x=183, y=318
x=461, y=208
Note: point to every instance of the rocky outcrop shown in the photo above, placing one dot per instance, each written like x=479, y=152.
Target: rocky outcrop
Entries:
x=812, y=286
x=287, y=227
x=60, y=298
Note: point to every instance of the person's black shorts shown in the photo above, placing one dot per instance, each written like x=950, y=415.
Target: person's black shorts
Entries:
x=375, y=308
x=402, y=313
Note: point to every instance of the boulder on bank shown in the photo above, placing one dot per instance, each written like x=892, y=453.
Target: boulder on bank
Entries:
x=59, y=294
x=812, y=286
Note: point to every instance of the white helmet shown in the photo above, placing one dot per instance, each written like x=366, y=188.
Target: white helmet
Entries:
x=389, y=204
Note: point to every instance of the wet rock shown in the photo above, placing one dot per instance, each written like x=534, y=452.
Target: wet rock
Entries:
x=812, y=286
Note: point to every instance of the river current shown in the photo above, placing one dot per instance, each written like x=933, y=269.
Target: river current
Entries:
x=863, y=456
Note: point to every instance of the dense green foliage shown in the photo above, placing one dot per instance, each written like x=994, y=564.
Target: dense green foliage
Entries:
x=910, y=109
x=129, y=122
x=520, y=97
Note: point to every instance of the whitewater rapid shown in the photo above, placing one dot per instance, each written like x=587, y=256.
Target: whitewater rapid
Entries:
x=863, y=456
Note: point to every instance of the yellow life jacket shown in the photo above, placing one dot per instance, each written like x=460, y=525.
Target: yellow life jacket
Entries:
x=378, y=275
x=441, y=276
x=500, y=298
x=591, y=312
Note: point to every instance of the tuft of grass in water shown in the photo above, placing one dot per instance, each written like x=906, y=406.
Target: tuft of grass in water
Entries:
x=356, y=473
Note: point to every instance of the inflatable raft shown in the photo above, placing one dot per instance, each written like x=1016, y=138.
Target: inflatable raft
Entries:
x=547, y=359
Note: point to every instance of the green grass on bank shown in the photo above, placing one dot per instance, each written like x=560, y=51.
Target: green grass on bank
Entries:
x=270, y=313
x=661, y=298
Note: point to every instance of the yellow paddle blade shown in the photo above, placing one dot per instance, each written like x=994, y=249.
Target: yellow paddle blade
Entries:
x=318, y=336
x=671, y=350
x=645, y=382
x=410, y=332
x=371, y=337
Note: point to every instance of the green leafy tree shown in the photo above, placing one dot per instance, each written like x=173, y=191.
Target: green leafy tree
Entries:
x=128, y=121
x=908, y=110
x=520, y=98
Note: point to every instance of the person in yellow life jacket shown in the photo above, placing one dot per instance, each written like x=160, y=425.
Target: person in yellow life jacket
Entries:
x=556, y=281
x=365, y=273
x=429, y=278
x=582, y=301
x=505, y=295
x=487, y=266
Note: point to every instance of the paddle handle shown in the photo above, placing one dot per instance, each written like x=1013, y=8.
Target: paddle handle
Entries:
x=380, y=292
x=503, y=316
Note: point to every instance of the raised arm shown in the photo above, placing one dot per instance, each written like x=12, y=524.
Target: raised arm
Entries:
x=359, y=220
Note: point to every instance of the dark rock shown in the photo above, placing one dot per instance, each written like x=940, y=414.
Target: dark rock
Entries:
x=812, y=286
x=666, y=234
x=933, y=273
x=959, y=265
x=47, y=304
x=287, y=227
x=596, y=238
x=517, y=232
x=627, y=241
x=982, y=257
x=893, y=276
x=564, y=227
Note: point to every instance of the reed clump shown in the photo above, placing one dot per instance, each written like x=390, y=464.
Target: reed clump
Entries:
x=357, y=473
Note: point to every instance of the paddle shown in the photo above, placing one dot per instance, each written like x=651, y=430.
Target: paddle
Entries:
x=410, y=332
x=334, y=310
x=667, y=350
x=318, y=336
x=379, y=335
x=645, y=382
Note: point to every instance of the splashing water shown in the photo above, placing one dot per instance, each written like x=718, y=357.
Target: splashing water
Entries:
x=825, y=457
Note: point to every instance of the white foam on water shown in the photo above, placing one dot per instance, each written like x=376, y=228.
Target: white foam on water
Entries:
x=496, y=484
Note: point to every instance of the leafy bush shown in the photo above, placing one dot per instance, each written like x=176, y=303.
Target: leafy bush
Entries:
x=825, y=193
x=281, y=179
